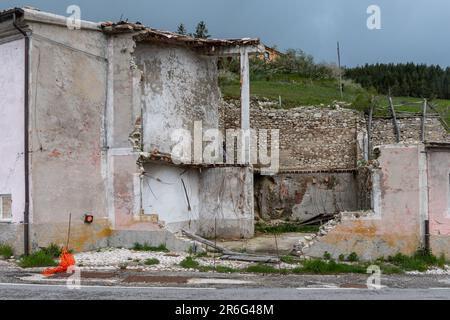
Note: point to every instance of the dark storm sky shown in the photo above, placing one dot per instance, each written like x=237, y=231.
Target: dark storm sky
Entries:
x=411, y=30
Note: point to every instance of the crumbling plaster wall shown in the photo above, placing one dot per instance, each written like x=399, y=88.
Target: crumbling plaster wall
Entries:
x=208, y=201
x=226, y=202
x=123, y=117
x=67, y=102
x=301, y=196
x=439, y=200
x=179, y=87
x=394, y=225
x=11, y=121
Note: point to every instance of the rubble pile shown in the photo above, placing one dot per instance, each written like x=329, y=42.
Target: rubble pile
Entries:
x=309, y=240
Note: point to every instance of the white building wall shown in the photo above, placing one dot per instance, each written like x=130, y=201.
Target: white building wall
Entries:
x=164, y=195
x=12, y=64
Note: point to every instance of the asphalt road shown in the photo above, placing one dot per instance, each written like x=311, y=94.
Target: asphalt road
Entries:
x=50, y=291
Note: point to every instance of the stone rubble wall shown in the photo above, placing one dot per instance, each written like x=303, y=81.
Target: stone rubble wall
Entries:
x=325, y=137
x=311, y=138
x=383, y=130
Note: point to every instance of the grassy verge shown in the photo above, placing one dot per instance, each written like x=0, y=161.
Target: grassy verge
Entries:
x=147, y=247
x=37, y=259
x=189, y=263
x=151, y=262
x=6, y=251
x=420, y=261
x=285, y=227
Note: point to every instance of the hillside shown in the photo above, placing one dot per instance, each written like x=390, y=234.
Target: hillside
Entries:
x=298, y=91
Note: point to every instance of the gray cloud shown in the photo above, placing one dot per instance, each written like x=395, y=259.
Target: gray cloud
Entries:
x=411, y=30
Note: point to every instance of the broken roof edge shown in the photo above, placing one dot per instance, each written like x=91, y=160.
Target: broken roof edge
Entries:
x=141, y=33
x=214, y=46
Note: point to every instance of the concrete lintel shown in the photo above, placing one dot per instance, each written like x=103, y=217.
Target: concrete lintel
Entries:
x=236, y=50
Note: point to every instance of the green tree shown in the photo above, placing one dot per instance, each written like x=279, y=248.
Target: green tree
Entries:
x=201, y=31
x=181, y=29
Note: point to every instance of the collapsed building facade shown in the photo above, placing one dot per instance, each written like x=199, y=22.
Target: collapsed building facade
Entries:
x=87, y=116
x=386, y=196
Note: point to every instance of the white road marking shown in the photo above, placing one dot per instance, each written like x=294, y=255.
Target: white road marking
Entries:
x=217, y=281
x=100, y=287
x=329, y=288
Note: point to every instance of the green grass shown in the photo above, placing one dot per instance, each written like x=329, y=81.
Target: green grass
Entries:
x=318, y=266
x=52, y=250
x=422, y=260
x=6, y=251
x=37, y=259
x=189, y=263
x=285, y=227
x=352, y=257
x=295, y=91
x=147, y=247
x=287, y=259
x=151, y=261
x=262, y=268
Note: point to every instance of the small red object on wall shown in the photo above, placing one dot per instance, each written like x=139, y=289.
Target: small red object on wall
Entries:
x=88, y=218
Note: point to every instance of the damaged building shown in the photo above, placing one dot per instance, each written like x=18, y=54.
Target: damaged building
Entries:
x=388, y=190
x=87, y=116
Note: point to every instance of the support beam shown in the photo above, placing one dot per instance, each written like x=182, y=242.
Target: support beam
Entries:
x=369, y=130
x=394, y=120
x=424, y=119
x=245, y=104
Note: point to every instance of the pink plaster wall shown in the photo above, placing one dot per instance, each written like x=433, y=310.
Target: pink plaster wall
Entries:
x=438, y=195
x=396, y=228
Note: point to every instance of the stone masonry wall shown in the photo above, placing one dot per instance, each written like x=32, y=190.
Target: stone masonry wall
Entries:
x=311, y=138
x=383, y=130
x=325, y=138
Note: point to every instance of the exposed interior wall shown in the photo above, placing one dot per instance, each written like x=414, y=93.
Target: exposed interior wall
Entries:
x=179, y=87
x=227, y=204
x=302, y=196
x=394, y=226
x=166, y=199
x=12, y=126
x=67, y=102
x=439, y=200
x=210, y=202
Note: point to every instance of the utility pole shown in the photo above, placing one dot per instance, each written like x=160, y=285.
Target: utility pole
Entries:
x=340, y=73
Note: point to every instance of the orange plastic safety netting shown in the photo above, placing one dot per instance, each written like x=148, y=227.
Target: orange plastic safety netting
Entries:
x=66, y=260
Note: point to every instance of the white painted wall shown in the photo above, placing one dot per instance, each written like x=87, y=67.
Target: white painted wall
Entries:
x=12, y=66
x=163, y=194
x=179, y=87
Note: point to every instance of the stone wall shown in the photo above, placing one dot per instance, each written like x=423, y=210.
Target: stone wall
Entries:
x=383, y=130
x=326, y=137
x=311, y=138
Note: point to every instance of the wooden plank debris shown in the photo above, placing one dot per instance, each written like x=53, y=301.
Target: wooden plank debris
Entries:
x=231, y=255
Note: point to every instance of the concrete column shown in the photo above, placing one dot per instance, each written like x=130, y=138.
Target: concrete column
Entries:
x=423, y=190
x=245, y=104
